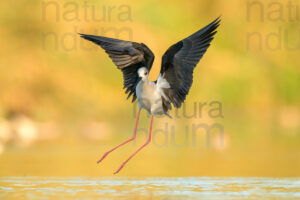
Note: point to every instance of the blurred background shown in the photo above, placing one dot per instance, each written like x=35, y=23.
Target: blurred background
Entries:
x=62, y=104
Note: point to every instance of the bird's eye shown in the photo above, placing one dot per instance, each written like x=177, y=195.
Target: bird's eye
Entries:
x=146, y=73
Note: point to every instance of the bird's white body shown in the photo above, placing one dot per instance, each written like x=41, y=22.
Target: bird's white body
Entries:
x=149, y=94
x=149, y=97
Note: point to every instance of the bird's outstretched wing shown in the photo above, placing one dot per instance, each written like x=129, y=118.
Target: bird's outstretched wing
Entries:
x=127, y=56
x=179, y=61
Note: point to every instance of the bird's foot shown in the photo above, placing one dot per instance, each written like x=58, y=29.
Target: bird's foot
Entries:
x=102, y=157
x=120, y=167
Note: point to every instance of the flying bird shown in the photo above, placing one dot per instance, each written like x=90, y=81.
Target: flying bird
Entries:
x=175, y=79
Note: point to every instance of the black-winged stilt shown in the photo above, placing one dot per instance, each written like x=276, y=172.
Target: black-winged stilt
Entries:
x=175, y=79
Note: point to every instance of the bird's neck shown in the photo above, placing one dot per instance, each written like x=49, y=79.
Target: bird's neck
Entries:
x=145, y=79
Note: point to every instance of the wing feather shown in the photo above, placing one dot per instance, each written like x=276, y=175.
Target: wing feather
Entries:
x=179, y=61
x=127, y=56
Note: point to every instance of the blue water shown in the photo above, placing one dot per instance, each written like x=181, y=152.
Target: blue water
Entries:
x=207, y=188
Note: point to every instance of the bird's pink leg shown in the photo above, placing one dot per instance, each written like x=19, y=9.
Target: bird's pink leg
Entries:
x=133, y=137
x=148, y=141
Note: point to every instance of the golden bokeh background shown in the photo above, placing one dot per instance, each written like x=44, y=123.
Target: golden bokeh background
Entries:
x=62, y=104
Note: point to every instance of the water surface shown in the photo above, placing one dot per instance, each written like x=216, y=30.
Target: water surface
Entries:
x=207, y=188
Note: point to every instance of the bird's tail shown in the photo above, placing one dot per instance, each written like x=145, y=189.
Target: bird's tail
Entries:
x=167, y=114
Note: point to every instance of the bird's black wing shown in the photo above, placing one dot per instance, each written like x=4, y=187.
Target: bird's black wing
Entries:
x=127, y=56
x=179, y=61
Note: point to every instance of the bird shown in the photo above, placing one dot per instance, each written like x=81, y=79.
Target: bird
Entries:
x=173, y=83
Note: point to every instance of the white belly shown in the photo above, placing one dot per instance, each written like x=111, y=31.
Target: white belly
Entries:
x=149, y=97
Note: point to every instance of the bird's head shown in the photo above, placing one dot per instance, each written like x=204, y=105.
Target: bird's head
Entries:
x=143, y=73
